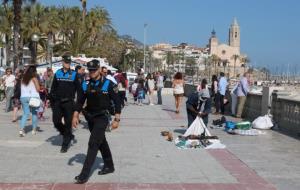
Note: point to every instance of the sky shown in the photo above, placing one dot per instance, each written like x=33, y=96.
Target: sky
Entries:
x=270, y=29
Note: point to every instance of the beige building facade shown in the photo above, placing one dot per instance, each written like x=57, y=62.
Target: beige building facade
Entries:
x=226, y=52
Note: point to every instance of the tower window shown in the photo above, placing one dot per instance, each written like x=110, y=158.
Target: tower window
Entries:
x=223, y=52
x=235, y=34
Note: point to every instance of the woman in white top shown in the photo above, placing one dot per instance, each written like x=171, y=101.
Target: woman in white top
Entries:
x=178, y=89
x=9, y=84
x=151, y=87
x=29, y=89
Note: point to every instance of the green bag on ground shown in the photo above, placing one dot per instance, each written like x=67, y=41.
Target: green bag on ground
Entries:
x=245, y=125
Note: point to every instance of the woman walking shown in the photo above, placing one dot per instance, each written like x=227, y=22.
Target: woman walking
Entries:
x=29, y=98
x=151, y=87
x=9, y=83
x=178, y=89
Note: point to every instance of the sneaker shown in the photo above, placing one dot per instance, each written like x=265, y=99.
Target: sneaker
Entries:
x=151, y=104
x=33, y=131
x=21, y=133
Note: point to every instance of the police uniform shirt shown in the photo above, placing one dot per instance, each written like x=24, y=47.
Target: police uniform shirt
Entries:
x=65, y=84
x=98, y=94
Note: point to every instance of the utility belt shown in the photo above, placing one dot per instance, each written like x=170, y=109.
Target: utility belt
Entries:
x=54, y=98
x=91, y=115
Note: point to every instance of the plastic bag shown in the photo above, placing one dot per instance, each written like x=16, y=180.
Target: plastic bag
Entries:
x=262, y=122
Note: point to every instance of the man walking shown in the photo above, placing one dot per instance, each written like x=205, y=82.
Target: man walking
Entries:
x=98, y=93
x=64, y=87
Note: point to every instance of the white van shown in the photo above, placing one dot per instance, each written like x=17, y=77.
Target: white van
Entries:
x=131, y=77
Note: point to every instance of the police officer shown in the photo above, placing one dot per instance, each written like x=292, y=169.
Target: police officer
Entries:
x=199, y=104
x=98, y=92
x=65, y=85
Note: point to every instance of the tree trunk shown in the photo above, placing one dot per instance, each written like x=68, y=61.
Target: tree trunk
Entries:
x=7, y=51
x=17, y=4
x=234, y=74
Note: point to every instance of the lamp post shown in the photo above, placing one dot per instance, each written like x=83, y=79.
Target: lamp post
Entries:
x=34, y=38
x=145, y=27
x=26, y=56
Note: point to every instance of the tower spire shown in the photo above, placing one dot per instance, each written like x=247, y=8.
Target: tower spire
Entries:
x=234, y=23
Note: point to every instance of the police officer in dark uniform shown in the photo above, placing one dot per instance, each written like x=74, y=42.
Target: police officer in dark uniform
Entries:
x=64, y=87
x=98, y=92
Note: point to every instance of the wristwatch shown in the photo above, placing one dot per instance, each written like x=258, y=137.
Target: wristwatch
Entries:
x=117, y=120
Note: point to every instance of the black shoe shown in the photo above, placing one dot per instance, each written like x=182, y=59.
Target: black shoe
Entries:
x=64, y=149
x=106, y=170
x=80, y=179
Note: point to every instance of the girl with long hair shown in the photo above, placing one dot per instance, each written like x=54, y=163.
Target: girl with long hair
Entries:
x=178, y=89
x=29, y=89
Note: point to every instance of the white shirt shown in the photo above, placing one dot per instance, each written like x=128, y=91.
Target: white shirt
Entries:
x=160, y=81
x=29, y=90
x=151, y=84
x=9, y=81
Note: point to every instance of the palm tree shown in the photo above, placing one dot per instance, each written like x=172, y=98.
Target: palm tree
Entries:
x=245, y=61
x=235, y=57
x=190, y=62
x=215, y=60
x=84, y=11
x=6, y=20
x=17, y=9
x=207, y=66
x=169, y=57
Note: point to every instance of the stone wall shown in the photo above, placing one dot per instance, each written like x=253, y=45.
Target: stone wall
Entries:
x=286, y=113
x=252, y=108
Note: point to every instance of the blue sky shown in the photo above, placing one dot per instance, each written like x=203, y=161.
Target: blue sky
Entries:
x=270, y=29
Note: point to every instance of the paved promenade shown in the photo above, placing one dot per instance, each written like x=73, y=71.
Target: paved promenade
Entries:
x=145, y=160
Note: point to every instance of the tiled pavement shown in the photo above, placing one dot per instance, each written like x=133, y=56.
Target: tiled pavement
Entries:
x=144, y=160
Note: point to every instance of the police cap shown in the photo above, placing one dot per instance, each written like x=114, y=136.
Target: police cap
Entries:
x=93, y=65
x=66, y=58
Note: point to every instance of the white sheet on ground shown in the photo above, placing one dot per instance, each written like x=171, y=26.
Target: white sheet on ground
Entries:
x=197, y=128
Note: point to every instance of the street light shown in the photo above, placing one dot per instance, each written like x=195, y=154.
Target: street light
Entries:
x=34, y=38
x=145, y=27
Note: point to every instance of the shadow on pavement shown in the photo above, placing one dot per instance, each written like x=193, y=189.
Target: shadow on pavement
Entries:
x=80, y=158
x=55, y=140
x=169, y=110
x=180, y=131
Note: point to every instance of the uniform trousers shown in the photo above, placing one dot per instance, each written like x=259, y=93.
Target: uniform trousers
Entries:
x=97, y=141
x=63, y=110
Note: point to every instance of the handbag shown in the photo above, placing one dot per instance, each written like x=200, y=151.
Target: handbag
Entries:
x=34, y=102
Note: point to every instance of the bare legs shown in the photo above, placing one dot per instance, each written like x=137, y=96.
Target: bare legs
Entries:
x=178, y=100
x=15, y=114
